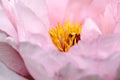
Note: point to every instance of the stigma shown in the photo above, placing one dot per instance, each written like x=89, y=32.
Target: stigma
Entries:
x=65, y=36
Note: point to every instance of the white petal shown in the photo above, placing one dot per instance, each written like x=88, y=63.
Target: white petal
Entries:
x=7, y=74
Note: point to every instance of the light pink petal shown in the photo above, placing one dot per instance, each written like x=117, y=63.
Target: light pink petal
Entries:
x=39, y=8
x=117, y=29
x=77, y=10
x=90, y=30
x=30, y=20
x=6, y=26
x=26, y=20
x=32, y=24
x=7, y=74
x=73, y=10
x=37, y=70
x=108, y=22
x=117, y=16
x=10, y=57
x=10, y=13
x=98, y=6
x=101, y=56
x=84, y=59
x=7, y=53
x=49, y=64
x=117, y=10
x=56, y=10
x=106, y=68
x=101, y=48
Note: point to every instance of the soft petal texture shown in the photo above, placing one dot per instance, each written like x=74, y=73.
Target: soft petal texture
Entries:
x=117, y=10
x=117, y=17
x=76, y=10
x=102, y=67
x=35, y=68
x=49, y=65
x=56, y=11
x=103, y=52
x=108, y=22
x=66, y=10
x=6, y=26
x=90, y=30
x=7, y=74
x=26, y=18
x=8, y=39
x=10, y=56
x=101, y=48
x=39, y=8
x=88, y=58
x=101, y=11
x=117, y=29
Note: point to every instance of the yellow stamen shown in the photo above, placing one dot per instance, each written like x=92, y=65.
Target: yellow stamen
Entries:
x=65, y=36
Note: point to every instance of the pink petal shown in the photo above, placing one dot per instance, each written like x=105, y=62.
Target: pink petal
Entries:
x=117, y=10
x=48, y=64
x=98, y=6
x=90, y=30
x=108, y=22
x=101, y=56
x=117, y=29
x=74, y=10
x=39, y=8
x=26, y=20
x=117, y=17
x=35, y=68
x=31, y=23
x=29, y=19
x=10, y=57
x=7, y=74
x=105, y=69
x=100, y=48
x=56, y=10
x=86, y=58
x=6, y=26
x=77, y=10
x=102, y=68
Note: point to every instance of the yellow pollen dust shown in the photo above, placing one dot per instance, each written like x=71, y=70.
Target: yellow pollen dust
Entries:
x=66, y=35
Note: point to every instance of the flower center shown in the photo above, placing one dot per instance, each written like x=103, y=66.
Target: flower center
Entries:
x=66, y=35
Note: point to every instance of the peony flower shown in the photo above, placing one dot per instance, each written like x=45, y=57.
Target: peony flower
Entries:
x=67, y=39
